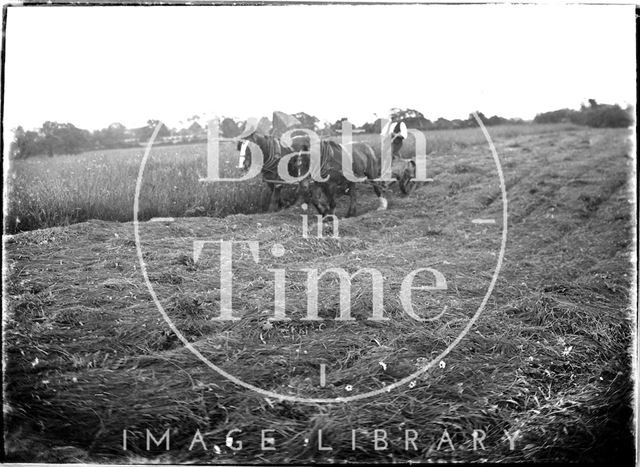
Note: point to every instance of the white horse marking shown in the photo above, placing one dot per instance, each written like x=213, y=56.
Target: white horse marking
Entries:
x=243, y=153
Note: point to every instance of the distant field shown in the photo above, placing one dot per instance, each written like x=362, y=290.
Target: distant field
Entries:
x=47, y=192
x=450, y=141
x=88, y=355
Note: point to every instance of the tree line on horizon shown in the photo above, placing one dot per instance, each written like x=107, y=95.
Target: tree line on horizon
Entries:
x=594, y=115
x=65, y=138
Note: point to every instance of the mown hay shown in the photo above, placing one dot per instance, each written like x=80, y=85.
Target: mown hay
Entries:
x=88, y=355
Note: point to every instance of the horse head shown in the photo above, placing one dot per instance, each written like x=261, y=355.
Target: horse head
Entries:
x=398, y=133
x=244, y=160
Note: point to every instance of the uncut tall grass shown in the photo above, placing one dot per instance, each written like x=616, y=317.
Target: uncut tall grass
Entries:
x=45, y=192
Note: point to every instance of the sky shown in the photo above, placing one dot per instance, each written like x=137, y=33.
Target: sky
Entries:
x=93, y=66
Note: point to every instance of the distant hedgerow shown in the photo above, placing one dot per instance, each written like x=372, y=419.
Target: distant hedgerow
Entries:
x=595, y=116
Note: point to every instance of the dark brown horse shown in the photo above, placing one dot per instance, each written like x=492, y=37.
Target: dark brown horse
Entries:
x=364, y=164
x=272, y=152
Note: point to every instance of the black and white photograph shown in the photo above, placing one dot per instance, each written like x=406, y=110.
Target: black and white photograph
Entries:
x=267, y=232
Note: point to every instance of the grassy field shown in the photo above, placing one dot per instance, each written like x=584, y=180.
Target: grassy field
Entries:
x=88, y=355
x=48, y=192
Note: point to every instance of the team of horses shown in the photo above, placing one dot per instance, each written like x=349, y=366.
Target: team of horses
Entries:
x=366, y=166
